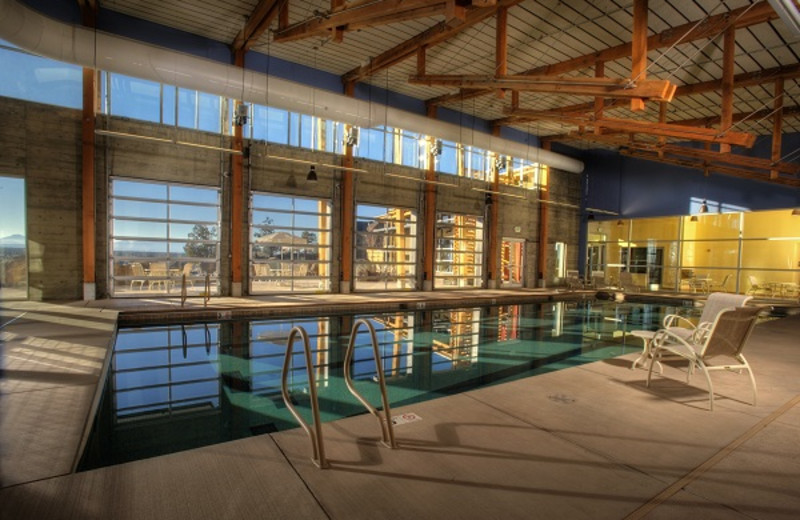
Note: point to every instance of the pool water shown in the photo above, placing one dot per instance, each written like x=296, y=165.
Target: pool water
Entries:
x=177, y=387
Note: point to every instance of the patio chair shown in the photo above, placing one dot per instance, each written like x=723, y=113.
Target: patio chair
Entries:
x=626, y=282
x=188, y=267
x=573, y=280
x=599, y=279
x=718, y=349
x=721, y=286
x=715, y=303
x=756, y=288
x=137, y=271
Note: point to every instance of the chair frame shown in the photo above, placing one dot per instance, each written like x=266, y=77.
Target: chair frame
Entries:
x=726, y=337
x=715, y=303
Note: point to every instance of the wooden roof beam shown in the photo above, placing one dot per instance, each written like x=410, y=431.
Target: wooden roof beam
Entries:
x=747, y=79
x=430, y=37
x=659, y=90
x=350, y=18
x=689, y=133
x=257, y=23
x=739, y=18
x=703, y=165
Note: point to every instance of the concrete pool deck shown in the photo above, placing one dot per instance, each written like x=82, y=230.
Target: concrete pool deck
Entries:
x=585, y=442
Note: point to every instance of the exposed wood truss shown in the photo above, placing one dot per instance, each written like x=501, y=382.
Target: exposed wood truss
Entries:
x=705, y=165
x=689, y=133
x=436, y=34
x=351, y=17
x=712, y=26
x=747, y=79
x=257, y=23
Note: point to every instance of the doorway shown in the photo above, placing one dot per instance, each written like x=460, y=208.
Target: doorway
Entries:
x=13, y=241
x=512, y=262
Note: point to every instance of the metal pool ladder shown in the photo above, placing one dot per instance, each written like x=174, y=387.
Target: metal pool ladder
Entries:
x=385, y=419
x=317, y=445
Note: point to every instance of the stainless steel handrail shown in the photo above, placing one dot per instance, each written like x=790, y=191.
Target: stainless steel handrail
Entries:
x=385, y=421
x=317, y=445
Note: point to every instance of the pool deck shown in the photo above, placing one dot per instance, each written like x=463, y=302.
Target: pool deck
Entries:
x=585, y=442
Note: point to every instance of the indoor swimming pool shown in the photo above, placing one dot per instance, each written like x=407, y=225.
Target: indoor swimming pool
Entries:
x=177, y=387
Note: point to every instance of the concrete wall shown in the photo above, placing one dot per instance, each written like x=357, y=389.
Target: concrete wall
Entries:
x=42, y=144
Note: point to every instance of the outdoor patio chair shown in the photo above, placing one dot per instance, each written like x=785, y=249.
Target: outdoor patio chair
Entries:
x=137, y=271
x=715, y=303
x=756, y=288
x=721, y=286
x=718, y=349
x=573, y=280
x=626, y=282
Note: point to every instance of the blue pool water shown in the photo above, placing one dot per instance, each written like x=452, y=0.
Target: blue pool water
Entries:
x=177, y=387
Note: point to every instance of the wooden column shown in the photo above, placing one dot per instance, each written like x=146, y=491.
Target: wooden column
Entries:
x=493, y=231
x=88, y=198
x=348, y=208
x=728, y=55
x=237, y=195
x=777, y=126
x=544, y=195
x=639, y=48
x=429, y=242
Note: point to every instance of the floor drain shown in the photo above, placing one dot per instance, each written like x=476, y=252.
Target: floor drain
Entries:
x=561, y=398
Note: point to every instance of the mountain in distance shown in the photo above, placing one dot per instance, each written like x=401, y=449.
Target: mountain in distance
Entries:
x=15, y=240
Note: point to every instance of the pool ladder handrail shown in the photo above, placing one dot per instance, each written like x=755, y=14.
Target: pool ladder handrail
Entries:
x=317, y=444
x=385, y=420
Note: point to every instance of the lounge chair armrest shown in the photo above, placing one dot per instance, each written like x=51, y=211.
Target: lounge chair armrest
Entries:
x=666, y=340
x=676, y=320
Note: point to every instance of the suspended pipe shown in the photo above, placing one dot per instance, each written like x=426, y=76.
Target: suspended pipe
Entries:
x=39, y=34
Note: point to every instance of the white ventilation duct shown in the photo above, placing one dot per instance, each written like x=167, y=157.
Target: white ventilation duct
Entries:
x=86, y=47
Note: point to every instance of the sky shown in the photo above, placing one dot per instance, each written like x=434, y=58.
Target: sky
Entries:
x=12, y=206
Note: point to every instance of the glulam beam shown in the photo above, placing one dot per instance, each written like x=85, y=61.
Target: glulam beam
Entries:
x=257, y=23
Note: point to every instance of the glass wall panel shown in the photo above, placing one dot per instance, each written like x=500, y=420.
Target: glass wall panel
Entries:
x=756, y=253
x=290, y=244
x=385, y=248
x=161, y=232
x=13, y=241
x=459, y=251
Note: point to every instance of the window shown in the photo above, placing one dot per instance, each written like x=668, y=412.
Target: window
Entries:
x=40, y=80
x=290, y=244
x=385, y=248
x=161, y=232
x=459, y=251
x=13, y=241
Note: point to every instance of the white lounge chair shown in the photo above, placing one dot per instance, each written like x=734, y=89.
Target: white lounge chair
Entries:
x=715, y=303
x=720, y=348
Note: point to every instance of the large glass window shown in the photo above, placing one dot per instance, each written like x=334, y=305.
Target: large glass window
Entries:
x=459, y=251
x=385, y=248
x=13, y=241
x=290, y=244
x=38, y=79
x=161, y=232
